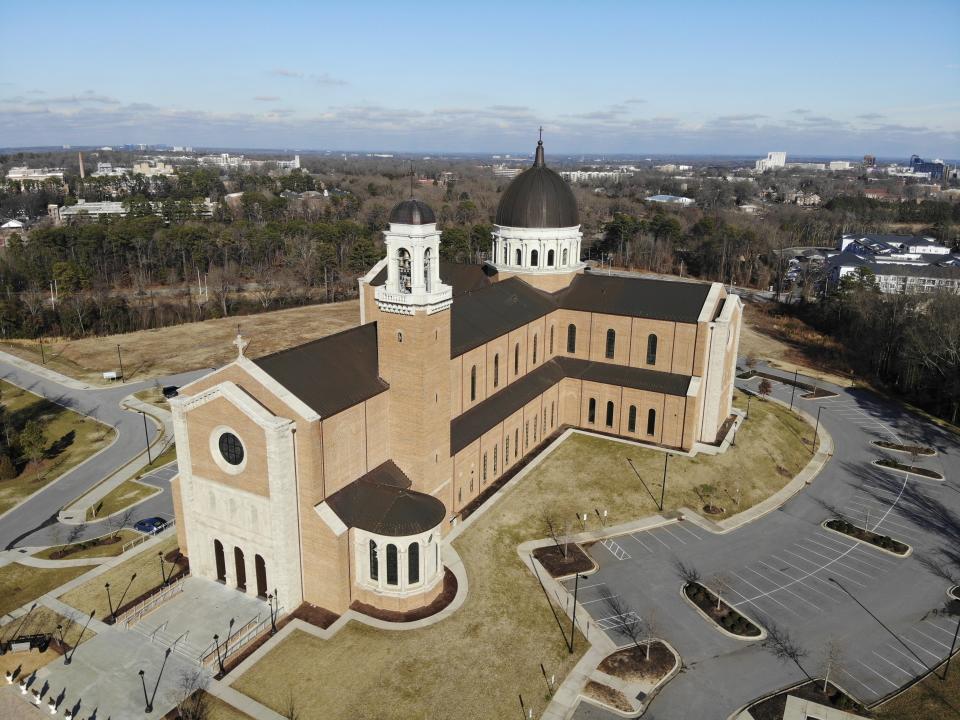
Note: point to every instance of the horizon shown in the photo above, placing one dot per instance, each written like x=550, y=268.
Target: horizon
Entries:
x=608, y=79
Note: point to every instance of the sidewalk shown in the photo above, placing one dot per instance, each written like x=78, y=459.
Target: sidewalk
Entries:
x=45, y=372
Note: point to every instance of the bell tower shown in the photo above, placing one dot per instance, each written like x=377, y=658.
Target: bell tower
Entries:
x=413, y=336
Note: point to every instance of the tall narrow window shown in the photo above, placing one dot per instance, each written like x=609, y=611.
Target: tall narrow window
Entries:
x=534, y=349
x=611, y=343
x=392, y=573
x=550, y=258
x=473, y=383
x=495, y=453
x=516, y=359
x=632, y=419
x=592, y=411
x=374, y=562
x=651, y=349
x=413, y=563
x=535, y=429
x=551, y=339
x=484, y=467
x=504, y=254
x=506, y=451
x=551, y=412
x=651, y=421
x=571, y=338
x=526, y=435
x=516, y=443
x=519, y=257
x=609, y=414
x=534, y=258
x=220, y=561
x=403, y=270
x=261, y=570
x=496, y=370
x=241, y=568
x=564, y=262
x=426, y=269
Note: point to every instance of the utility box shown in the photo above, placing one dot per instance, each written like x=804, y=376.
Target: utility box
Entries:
x=111, y=375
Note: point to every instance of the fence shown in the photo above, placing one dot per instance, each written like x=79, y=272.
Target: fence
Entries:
x=132, y=616
x=238, y=640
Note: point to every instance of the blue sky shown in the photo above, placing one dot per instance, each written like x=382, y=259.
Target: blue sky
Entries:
x=731, y=77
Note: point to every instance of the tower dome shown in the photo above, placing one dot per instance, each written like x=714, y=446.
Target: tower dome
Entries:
x=412, y=212
x=537, y=228
x=538, y=198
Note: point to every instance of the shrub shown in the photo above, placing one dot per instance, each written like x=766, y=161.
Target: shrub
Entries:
x=7, y=470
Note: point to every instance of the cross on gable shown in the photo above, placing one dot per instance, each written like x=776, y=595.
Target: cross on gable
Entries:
x=241, y=344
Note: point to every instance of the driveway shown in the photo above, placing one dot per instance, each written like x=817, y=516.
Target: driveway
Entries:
x=786, y=570
x=102, y=404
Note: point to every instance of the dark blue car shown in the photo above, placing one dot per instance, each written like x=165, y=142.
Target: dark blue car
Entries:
x=151, y=525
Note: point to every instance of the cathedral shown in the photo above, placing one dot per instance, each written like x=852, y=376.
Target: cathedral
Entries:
x=330, y=473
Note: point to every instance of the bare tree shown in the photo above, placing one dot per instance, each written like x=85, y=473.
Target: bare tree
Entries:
x=832, y=660
x=688, y=573
x=630, y=624
x=194, y=702
x=720, y=584
x=559, y=534
x=651, y=627
x=118, y=521
x=765, y=388
x=783, y=646
x=290, y=711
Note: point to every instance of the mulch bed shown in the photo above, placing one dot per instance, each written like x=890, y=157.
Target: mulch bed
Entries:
x=552, y=558
x=713, y=510
x=918, y=449
x=71, y=549
x=632, y=665
x=440, y=602
x=607, y=695
x=887, y=463
x=726, y=617
x=819, y=393
x=772, y=708
x=881, y=541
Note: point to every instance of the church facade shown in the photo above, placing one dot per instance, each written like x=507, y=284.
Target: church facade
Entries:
x=331, y=472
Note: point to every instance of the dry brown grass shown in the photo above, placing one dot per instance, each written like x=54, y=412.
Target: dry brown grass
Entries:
x=607, y=695
x=151, y=353
x=41, y=621
x=125, y=494
x=474, y=663
x=21, y=583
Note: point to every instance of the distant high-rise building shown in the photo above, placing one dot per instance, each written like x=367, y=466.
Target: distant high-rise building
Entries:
x=771, y=161
x=869, y=161
x=935, y=168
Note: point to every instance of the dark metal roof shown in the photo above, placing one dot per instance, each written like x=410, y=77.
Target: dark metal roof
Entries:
x=332, y=373
x=382, y=502
x=538, y=198
x=469, y=426
x=412, y=212
x=493, y=311
x=635, y=297
x=463, y=278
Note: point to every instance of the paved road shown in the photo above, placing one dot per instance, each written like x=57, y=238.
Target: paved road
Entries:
x=102, y=404
x=785, y=569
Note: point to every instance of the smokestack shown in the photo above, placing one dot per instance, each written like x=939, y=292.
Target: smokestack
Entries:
x=80, y=158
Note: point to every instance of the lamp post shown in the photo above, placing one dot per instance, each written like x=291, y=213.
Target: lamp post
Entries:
x=573, y=619
x=816, y=430
x=123, y=378
x=793, y=391
x=273, y=625
x=62, y=641
x=663, y=487
x=146, y=435
x=163, y=574
x=146, y=698
x=109, y=600
x=749, y=398
x=216, y=640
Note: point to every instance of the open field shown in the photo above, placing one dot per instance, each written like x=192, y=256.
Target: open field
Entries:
x=124, y=495
x=146, y=565
x=929, y=698
x=507, y=627
x=71, y=439
x=92, y=551
x=150, y=353
x=21, y=583
x=154, y=396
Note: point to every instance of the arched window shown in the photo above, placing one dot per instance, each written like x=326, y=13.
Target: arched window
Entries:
x=534, y=349
x=519, y=257
x=413, y=563
x=609, y=413
x=374, y=562
x=426, y=269
x=651, y=421
x=473, y=383
x=632, y=419
x=261, y=568
x=392, y=578
x=551, y=339
x=651, y=349
x=403, y=270
x=571, y=338
x=516, y=359
x=496, y=370
x=550, y=258
x=564, y=257
x=611, y=343
x=592, y=411
x=220, y=560
x=534, y=258
x=241, y=568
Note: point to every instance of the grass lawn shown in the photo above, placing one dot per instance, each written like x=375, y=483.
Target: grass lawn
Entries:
x=41, y=621
x=474, y=663
x=154, y=396
x=930, y=698
x=71, y=439
x=92, y=596
x=217, y=709
x=167, y=456
x=146, y=353
x=93, y=551
x=21, y=584
x=123, y=495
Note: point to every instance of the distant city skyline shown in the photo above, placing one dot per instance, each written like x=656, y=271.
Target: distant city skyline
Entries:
x=740, y=78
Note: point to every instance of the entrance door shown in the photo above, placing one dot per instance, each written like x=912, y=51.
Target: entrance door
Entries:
x=221, y=561
x=261, y=576
x=241, y=569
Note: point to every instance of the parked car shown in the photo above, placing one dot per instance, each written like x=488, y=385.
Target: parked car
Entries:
x=171, y=391
x=151, y=525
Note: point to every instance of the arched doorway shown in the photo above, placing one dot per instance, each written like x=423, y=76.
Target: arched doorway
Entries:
x=519, y=258
x=220, y=560
x=534, y=258
x=261, y=568
x=241, y=568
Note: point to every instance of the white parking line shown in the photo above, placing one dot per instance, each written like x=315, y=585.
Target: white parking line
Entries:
x=771, y=597
x=838, y=562
x=823, y=567
x=882, y=677
x=851, y=567
x=682, y=541
x=947, y=632
x=615, y=549
x=920, y=647
x=799, y=597
x=909, y=657
x=688, y=530
x=908, y=674
x=642, y=543
x=854, y=677
x=931, y=639
x=655, y=537
x=606, y=597
x=809, y=587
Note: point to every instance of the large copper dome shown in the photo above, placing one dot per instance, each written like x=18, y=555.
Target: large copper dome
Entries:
x=538, y=198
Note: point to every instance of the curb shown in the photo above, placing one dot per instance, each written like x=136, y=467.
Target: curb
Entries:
x=876, y=443
x=742, y=638
x=875, y=463
x=900, y=556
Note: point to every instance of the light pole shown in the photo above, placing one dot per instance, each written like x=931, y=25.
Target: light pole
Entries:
x=816, y=430
x=146, y=698
x=123, y=378
x=216, y=641
x=163, y=574
x=794, y=390
x=749, y=398
x=146, y=435
x=663, y=487
x=573, y=620
x=109, y=600
x=43, y=358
